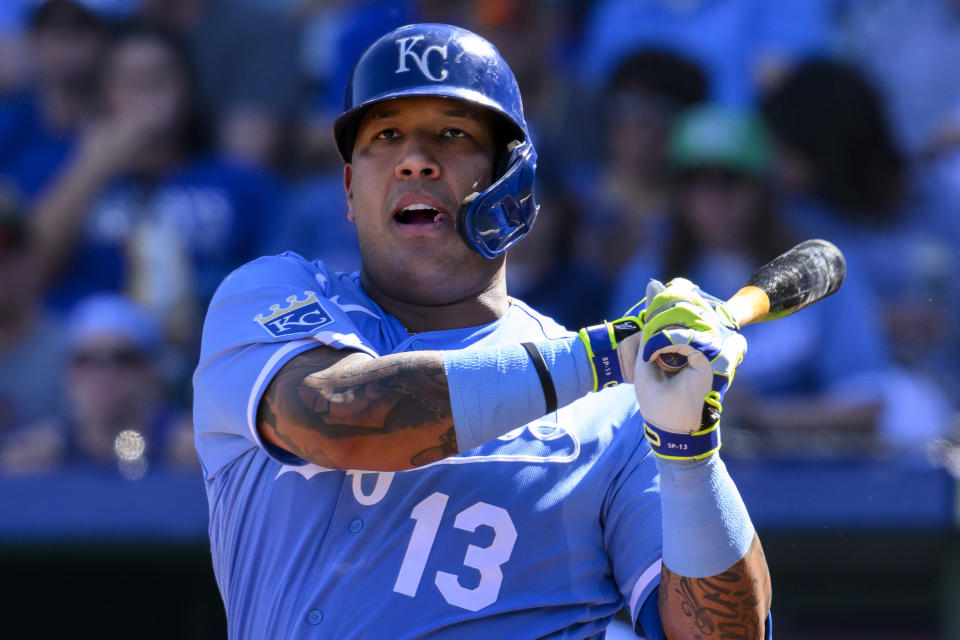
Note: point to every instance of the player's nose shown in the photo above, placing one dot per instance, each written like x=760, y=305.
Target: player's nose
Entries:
x=416, y=160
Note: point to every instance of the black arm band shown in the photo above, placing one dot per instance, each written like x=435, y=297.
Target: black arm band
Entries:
x=546, y=380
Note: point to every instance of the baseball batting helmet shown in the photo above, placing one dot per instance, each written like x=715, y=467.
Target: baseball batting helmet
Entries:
x=445, y=61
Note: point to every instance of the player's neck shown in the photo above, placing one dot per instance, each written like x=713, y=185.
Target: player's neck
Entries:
x=477, y=308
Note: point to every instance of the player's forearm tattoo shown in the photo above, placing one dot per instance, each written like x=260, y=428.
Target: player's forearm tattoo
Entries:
x=446, y=448
x=730, y=606
x=356, y=398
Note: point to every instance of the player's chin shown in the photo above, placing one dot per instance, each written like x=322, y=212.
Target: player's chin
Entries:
x=444, y=263
x=433, y=247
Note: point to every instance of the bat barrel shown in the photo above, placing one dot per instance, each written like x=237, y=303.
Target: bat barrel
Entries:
x=806, y=273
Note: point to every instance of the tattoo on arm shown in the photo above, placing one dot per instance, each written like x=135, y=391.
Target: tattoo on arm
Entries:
x=730, y=606
x=343, y=397
x=446, y=448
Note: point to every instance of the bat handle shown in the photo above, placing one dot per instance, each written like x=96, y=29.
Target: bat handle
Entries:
x=746, y=306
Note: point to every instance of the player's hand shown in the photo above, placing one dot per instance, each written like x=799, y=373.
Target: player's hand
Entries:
x=681, y=319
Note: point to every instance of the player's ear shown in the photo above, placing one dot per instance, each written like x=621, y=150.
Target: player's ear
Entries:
x=347, y=183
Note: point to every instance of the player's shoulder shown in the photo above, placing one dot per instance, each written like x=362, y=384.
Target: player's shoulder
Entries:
x=288, y=297
x=284, y=268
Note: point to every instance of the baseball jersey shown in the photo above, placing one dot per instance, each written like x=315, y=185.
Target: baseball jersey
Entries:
x=544, y=532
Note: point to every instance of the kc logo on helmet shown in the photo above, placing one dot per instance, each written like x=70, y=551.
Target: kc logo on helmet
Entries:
x=300, y=317
x=405, y=46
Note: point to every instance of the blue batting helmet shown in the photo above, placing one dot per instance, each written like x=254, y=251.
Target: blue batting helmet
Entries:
x=441, y=60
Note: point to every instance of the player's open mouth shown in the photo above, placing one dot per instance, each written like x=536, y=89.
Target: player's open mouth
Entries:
x=419, y=214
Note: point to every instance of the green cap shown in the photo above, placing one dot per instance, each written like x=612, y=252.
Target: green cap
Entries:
x=715, y=136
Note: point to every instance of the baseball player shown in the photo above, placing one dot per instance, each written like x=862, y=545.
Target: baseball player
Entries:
x=408, y=452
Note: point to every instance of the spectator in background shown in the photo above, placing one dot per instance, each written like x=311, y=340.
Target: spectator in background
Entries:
x=839, y=153
x=39, y=126
x=793, y=396
x=624, y=198
x=845, y=179
x=249, y=71
x=32, y=342
x=143, y=206
x=116, y=414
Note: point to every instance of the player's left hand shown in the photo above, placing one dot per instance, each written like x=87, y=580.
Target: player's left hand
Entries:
x=681, y=319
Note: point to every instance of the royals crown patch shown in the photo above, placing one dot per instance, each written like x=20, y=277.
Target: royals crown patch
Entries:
x=301, y=316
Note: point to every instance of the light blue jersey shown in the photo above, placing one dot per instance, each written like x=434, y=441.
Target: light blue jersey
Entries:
x=545, y=532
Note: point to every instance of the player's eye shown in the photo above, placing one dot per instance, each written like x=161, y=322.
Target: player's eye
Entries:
x=387, y=134
x=453, y=132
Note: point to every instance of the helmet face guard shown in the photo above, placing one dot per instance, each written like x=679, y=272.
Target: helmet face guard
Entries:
x=505, y=211
x=439, y=60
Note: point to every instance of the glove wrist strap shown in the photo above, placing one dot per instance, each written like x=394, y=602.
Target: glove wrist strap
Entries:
x=683, y=446
x=601, y=344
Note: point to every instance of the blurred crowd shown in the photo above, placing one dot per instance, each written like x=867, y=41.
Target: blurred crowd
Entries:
x=149, y=147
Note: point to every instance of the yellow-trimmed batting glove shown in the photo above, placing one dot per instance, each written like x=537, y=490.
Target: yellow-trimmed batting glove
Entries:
x=612, y=349
x=681, y=410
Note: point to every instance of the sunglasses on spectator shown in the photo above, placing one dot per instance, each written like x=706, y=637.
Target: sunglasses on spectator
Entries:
x=123, y=358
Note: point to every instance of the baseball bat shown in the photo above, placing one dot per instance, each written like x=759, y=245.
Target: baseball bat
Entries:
x=808, y=272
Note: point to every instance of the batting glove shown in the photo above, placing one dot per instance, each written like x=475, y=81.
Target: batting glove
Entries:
x=612, y=349
x=681, y=410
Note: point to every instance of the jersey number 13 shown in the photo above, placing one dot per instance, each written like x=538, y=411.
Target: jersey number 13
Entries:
x=487, y=560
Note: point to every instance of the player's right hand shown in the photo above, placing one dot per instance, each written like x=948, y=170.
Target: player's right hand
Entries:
x=681, y=319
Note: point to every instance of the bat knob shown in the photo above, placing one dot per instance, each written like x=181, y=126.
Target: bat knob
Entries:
x=672, y=362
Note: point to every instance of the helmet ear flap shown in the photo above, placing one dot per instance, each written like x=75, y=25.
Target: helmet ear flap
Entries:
x=492, y=221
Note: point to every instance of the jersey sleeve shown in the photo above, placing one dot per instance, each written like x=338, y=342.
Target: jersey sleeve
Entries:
x=261, y=316
x=631, y=521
